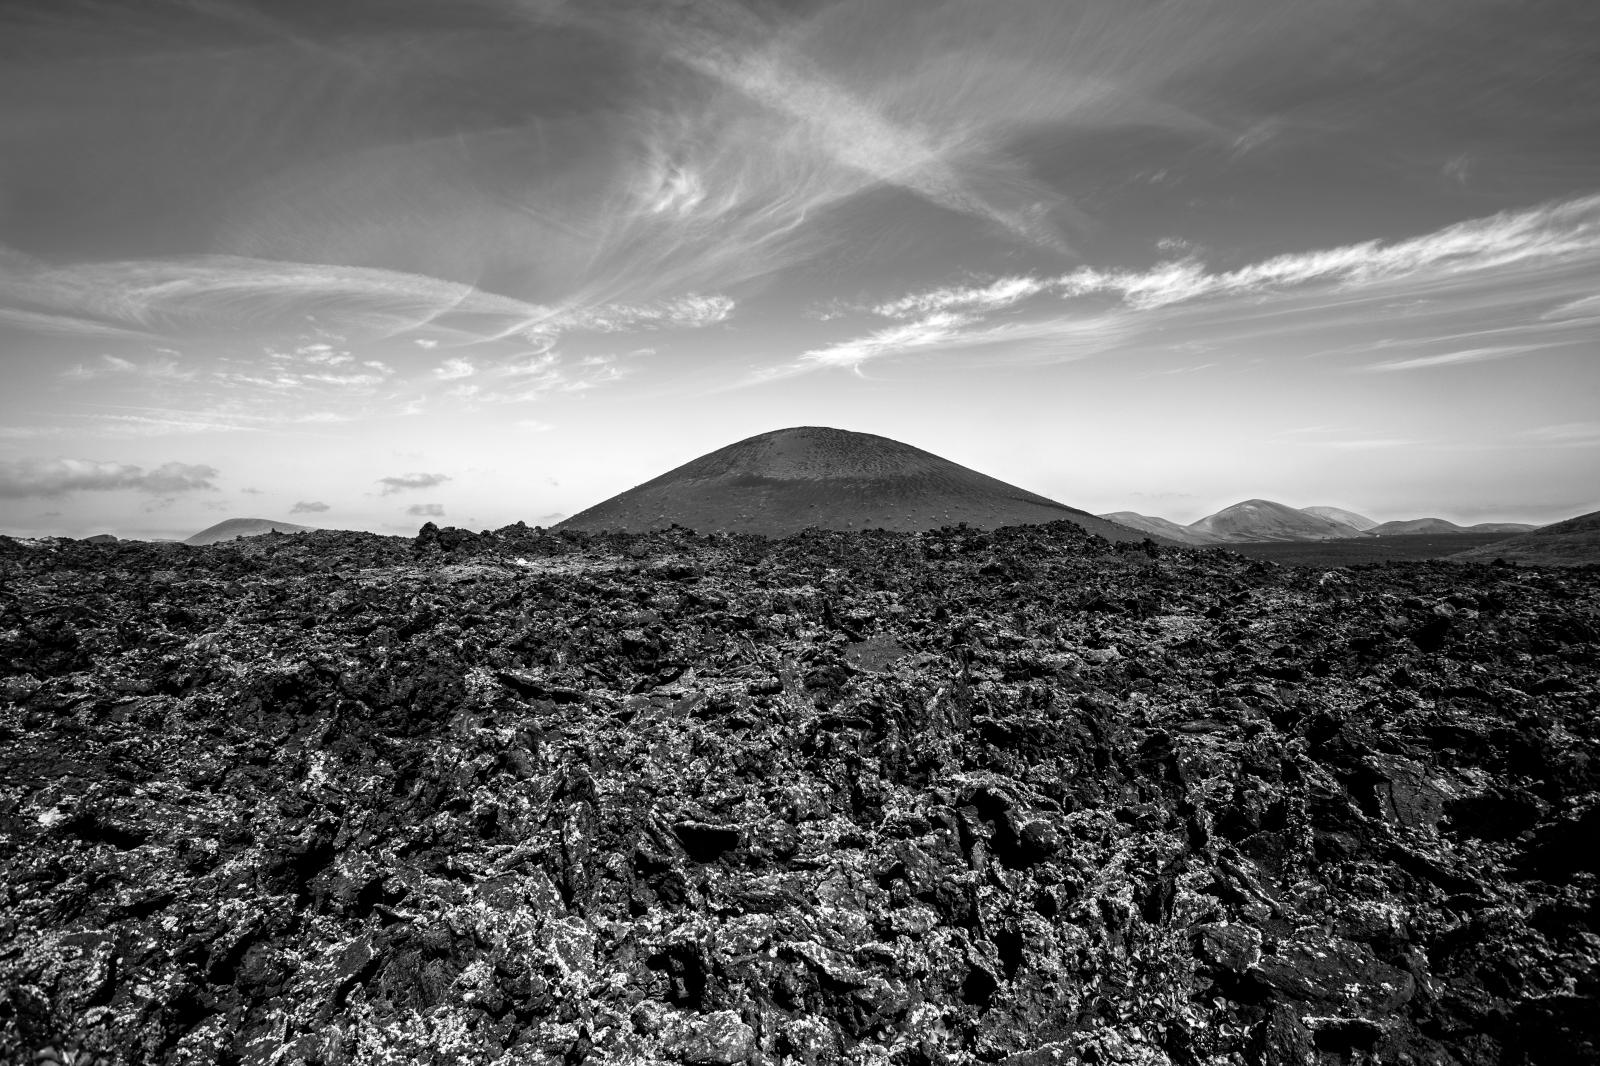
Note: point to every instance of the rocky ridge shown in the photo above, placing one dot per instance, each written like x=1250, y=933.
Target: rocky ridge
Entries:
x=1022, y=796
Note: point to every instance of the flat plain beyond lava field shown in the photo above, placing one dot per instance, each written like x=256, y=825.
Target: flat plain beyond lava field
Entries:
x=1021, y=796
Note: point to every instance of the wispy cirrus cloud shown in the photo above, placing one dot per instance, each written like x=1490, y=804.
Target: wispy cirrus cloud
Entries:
x=175, y=297
x=1548, y=234
x=1004, y=292
x=1565, y=434
x=936, y=330
x=685, y=312
x=406, y=482
x=57, y=477
x=1456, y=358
x=160, y=369
x=1533, y=265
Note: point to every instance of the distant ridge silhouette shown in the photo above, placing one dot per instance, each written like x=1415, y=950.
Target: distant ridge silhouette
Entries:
x=1573, y=542
x=787, y=480
x=234, y=528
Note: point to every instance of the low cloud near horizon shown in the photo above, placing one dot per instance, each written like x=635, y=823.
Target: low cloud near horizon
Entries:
x=403, y=482
x=24, y=478
x=309, y=507
x=426, y=510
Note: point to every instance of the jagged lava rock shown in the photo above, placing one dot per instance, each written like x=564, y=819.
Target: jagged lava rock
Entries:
x=1020, y=796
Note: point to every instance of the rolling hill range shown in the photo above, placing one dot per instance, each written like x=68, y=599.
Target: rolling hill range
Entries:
x=234, y=528
x=1263, y=520
x=1444, y=525
x=1161, y=527
x=1573, y=542
x=787, y=480
x=1268, y=522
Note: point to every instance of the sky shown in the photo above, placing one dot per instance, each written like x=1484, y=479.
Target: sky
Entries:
x=369, y=263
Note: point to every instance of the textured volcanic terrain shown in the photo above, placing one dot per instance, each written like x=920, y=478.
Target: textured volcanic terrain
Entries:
x=1024, y=796
x=234, y=528
x=812, y=477
x=1356, y=552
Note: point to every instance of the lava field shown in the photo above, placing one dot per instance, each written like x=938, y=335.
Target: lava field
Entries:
x=1021, y=796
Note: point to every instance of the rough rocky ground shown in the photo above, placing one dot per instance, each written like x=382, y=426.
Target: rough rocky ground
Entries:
x=1022, y=797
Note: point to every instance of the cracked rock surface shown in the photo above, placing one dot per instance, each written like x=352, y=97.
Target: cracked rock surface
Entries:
x=1020, y=796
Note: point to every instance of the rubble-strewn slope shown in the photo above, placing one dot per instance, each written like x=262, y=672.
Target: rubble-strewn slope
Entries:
x=1021, y=797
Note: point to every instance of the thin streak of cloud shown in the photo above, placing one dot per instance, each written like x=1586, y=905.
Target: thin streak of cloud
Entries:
x=67, y=325
x=156, y=297
x=1053, y=339
x=1372, y=443
x=996, y=295
x=200, y=291
x=933, y=331
x=1549, y=233
x=1456, y=358
x=165, y=370
x=1552, y=233
x=1587, y=307
x=1565, y=434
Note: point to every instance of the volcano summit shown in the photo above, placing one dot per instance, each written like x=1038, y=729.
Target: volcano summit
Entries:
x=787, y=480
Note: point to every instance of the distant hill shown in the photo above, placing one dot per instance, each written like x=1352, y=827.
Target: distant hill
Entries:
x=234, y=528
x=1570, y=543
x=1339, y=514
x=1416, y=525
x=1502, y=527
x=101, y=538
x=1161, y=527
x=784, y=481
x=1266, y=520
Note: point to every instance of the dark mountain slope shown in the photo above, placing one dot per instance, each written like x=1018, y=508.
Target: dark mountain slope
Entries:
x=1570, y=543
x=781, y=482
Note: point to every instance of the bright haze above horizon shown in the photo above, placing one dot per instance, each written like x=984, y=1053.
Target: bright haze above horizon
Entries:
x=364, y=263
